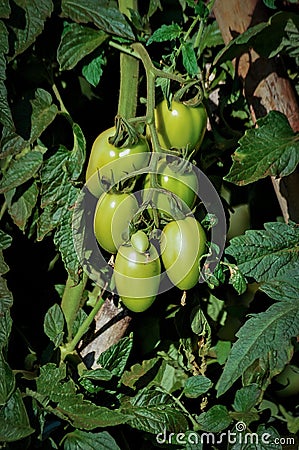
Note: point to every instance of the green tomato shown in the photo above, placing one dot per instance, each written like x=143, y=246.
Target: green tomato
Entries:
x=180, y=126
x=288, y=381
x=114, y=162
x=183, y=243
x=137, y=276
x=113, y=214
x=182, y=184
x=139, y=241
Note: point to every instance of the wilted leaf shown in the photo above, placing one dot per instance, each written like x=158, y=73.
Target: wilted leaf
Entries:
x=270, y=149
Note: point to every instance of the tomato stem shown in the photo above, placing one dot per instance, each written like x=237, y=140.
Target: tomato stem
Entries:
x=129, y=72
x=84, y=327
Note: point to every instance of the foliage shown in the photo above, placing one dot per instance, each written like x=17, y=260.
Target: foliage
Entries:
x=193, y=364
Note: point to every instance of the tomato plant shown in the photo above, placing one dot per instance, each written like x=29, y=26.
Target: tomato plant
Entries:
x=137, y=273
x=180, y=126
x=183, y=244
x=113, y=215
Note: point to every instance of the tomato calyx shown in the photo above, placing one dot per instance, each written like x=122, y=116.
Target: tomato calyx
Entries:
x=125, y=134
x=183, y=95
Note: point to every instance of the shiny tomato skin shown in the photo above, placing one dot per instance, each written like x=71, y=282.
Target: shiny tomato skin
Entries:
x=182, y=184
x=183, y=243
x=113, y=214
x=137, y=277
x=114, y=162
x=180, y=126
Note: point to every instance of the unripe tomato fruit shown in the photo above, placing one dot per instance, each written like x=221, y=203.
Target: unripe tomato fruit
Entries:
x=182, y=184
x=183, y=243
x=126, y=160
x=113, y=214
x=180, y=126
x=137, y=276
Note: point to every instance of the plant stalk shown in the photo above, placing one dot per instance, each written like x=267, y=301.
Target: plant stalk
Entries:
x=71, y=302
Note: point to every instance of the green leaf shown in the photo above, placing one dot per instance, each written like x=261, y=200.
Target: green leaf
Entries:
x=270, y=149
x=21, y=205
x=265, y=337
x=222, y=349
x=44, y=112
x=165, y=33
x=116, y=356
x=153, y=411
x=63, y=239
x=102, y=14
x=246, y=398
x=237, y=279
x=21, y=170
x=271, y=257
x=69, y=405
x=263, y=439
x=270, y=4
x=58, y=195
x=216, y=419
x=96, y=375
x=196, y=386
x=5, y=9
x=189, y=59
x=77, y=42
x=93, y=71
x=54, y=325
x=5, y=240
x=14, y=422
x=27, y=21
x=265, y=37
x=11, y=143
x=82, y=440
x=5, y=112
x=7, y=380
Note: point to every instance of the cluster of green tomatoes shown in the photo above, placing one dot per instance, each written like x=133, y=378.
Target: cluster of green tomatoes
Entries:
x=125, y=221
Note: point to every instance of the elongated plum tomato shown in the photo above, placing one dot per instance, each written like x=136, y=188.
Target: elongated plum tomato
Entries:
x=137, y=274
x=182, y=184
x=125, y=160
x=183, y=243
x=180, y=126
x=113, y=214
